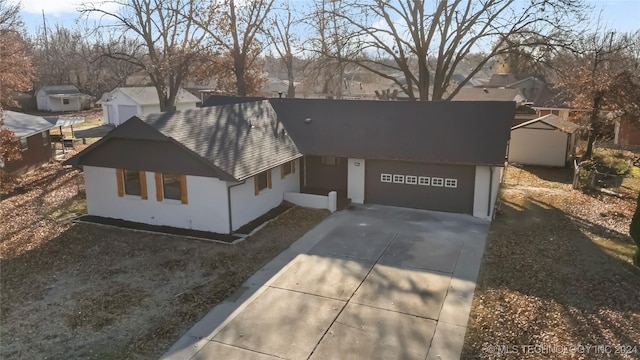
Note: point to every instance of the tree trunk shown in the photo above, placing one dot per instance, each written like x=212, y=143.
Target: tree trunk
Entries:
x=291, y=91
x=595, y=127
x=239, y=65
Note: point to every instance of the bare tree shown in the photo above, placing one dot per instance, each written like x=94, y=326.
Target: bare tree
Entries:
x=282, y=35
x=169, y=42
x=602, y=75
x=428, y=40
x=333, y=45
x=236, y=29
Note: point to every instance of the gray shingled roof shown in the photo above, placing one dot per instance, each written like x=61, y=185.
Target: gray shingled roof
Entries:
x=149, y=95
x=554, y=121
x=24, y=125
x=424, y=131
x=240, y=139
x=60, y=89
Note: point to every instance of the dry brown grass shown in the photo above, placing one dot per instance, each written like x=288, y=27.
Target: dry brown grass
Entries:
x=74, y=291
x=556, y=272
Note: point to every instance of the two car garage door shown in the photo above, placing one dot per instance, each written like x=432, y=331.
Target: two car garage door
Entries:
x=420, y=186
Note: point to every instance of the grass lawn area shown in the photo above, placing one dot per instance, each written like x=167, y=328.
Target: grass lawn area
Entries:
x=73, y=291
x=557, y=271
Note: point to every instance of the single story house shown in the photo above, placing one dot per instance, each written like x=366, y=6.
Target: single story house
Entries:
x=217, y=168
x=35, y=141
x=58, y=98
x=548, y=141
x=122, y=103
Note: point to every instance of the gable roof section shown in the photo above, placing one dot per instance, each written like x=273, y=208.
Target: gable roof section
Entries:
x=553, y=121
x=240, y=139
x=136, y=145
x=552, y=99
x=149, y=95
x=488, y=94
x=24, y=125
x=60, y=89
x=434, y=131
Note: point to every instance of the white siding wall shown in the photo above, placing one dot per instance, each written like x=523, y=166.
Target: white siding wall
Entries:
x=246, y=206
x=538, y=147
x=42, y=101
x=186, y=106
x=206, y=209
x=57, y=105
x=149, y=109
x=481, y=195
x=355, y=180
x=112, y=115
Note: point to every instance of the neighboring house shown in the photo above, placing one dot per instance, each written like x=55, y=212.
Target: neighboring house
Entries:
x=531, y=88
x=547, y=141
x=24, y=101
x=35, y=142
x=489, y=94
x=58, y=98
x=122, y=103
x=217, y=168
x=553, y=101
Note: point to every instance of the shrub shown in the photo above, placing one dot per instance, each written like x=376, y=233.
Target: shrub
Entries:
x=611, y=162
x=634, y=231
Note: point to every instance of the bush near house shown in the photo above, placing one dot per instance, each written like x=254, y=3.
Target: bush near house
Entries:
x=614, y=162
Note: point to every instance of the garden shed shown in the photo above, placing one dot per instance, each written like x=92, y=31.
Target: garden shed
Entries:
x=546, y=141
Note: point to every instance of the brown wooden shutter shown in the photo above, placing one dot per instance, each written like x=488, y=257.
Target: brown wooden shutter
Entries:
x=120, y=182
x=256, y=188
x=183, y=189
x=293, y=166
x=269, y=178
x=159, y=186
x=143, y=185
x=282, y=171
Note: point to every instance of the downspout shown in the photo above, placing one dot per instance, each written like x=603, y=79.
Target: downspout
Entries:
x=490, y=190
x=229, y=203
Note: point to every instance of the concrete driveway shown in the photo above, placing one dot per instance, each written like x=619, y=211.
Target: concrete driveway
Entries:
x=369, y=282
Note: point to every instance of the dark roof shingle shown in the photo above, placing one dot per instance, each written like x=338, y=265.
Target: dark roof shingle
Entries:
x=241, y=139
x=424, y=131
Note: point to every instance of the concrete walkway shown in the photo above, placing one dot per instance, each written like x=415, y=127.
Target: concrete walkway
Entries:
x=369, y=282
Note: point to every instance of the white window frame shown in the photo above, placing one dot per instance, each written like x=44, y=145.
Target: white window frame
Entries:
x=411, y=179
x=385, y=178
x=45, y=138
x=24, y=144
x=398, y=179
x=424, y=181
x=437, y=181
x=451, y=183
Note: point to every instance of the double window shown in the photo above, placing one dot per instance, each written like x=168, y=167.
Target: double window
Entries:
x=168, y=186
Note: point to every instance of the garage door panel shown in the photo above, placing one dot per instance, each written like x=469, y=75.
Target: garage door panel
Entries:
x=420, y=186
x=125, y=112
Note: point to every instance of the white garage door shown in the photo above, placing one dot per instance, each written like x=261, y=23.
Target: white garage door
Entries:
x=125, y=112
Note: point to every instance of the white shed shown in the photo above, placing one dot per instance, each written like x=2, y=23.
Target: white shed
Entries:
x=59, y=98
x=122, y=103
x=547, y=141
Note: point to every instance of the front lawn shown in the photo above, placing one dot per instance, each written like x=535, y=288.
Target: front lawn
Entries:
x=556, y=273
x=71, y=291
